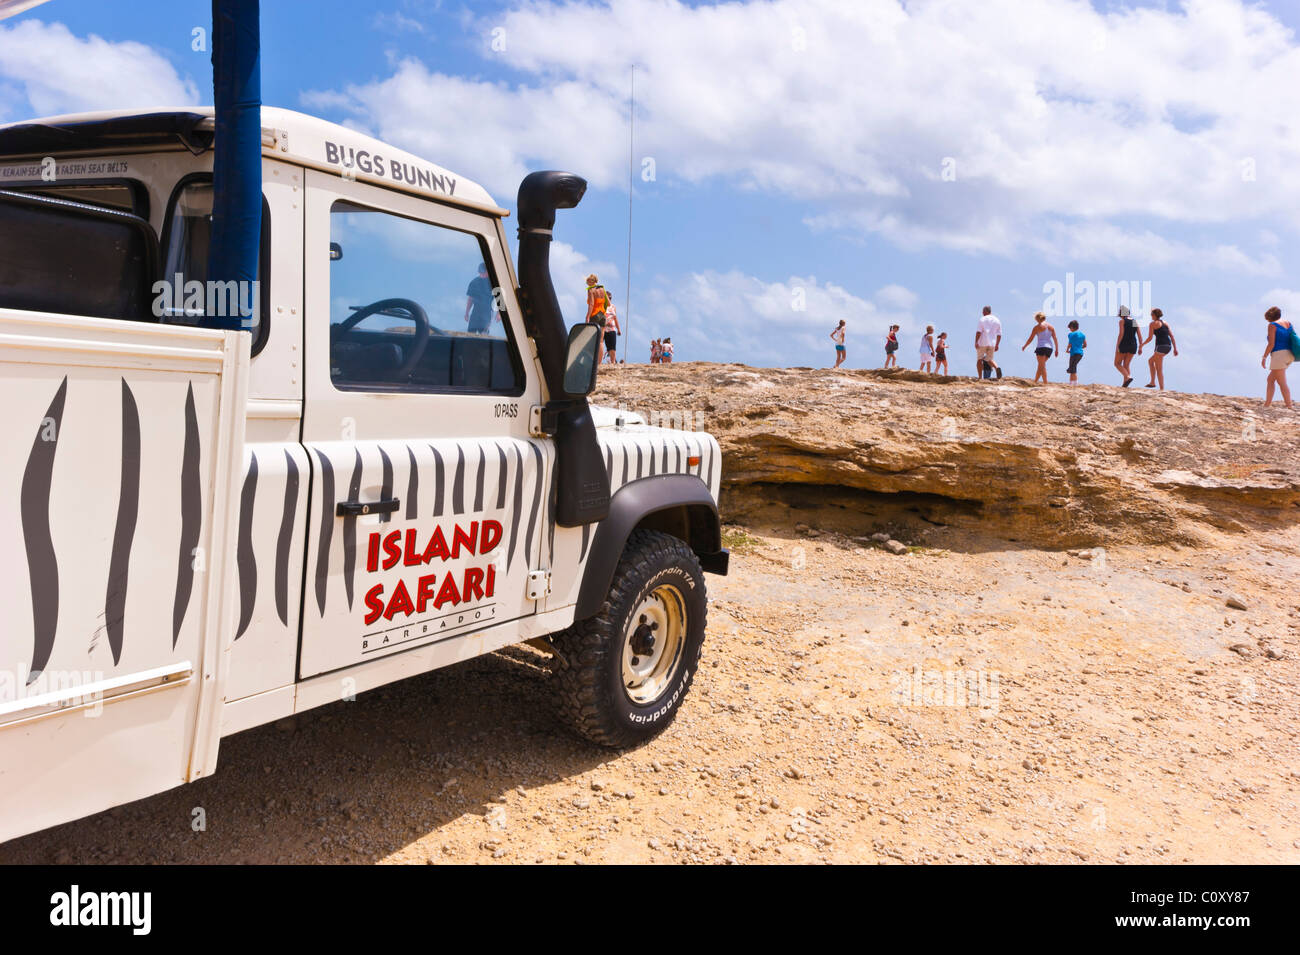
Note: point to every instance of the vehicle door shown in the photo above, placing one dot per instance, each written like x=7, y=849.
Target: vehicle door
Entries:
x=428, y=496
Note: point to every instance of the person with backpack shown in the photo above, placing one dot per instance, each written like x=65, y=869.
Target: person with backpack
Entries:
x=1164, y=338
x=1126, y=345
x=1283, y=348
x=891, y=347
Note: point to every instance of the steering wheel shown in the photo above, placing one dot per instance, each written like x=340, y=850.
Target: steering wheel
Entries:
x=414, y=312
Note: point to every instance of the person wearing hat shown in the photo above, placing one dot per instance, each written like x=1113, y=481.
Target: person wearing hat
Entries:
x=1126, y=345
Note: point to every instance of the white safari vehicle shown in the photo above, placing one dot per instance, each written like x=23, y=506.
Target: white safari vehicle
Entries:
x=393, y=467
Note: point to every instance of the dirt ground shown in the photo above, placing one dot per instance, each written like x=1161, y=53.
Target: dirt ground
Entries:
x=966, y=701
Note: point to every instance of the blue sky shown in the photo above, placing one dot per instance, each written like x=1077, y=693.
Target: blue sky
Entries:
x=813, y=160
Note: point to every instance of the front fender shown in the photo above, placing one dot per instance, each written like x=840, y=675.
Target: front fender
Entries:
x=678, y=504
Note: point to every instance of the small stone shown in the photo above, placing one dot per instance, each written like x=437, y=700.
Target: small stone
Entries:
x=1235, y=602
x=1241, y=649
x=895, y=547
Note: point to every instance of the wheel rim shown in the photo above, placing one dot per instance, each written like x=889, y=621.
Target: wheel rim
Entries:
x=652, y=644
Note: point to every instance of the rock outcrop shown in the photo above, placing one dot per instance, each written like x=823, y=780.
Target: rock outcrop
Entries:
x=1054, y=466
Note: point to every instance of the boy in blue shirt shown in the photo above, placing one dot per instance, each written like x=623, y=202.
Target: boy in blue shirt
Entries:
x=1077, y=343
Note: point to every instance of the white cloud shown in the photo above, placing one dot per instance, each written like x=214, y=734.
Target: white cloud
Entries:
x=897, y=296
x=45, y=69
x=1285, y=299
x=396, y=22
x=734, y=316
x=569, y=271
x=1056, y=117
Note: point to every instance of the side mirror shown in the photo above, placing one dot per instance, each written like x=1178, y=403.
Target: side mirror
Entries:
x=336, y=251
x=580, y=361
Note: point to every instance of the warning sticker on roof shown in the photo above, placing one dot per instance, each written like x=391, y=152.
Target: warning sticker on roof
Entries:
x=50, y=170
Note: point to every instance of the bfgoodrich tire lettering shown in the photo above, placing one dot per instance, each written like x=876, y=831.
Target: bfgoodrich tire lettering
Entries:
x=615, y=688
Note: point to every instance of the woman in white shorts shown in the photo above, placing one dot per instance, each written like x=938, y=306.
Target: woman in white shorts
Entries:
x=927, y=349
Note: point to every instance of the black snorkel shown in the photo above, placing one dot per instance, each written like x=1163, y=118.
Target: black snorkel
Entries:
x=582, y=485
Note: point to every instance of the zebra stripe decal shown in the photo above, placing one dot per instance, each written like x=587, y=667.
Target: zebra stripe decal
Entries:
x=550, y=513
x=537, y=500
x=285, y=540
x=350, y=530
x=458, y=486
x=501, y=477
x=478, y=481
x=386, y=486
x=326, y=529
x=412, y=487
x=128, y=508
x=519, y=503
x=42, y=565
x=191, y=518
x=247, y=560
x=438, y=482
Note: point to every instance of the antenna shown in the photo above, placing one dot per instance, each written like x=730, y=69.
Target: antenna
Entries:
x=631, y=167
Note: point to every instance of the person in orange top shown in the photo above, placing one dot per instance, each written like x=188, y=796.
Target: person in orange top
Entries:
x=597, y=300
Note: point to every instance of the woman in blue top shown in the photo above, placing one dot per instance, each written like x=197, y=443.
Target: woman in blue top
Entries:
x=1076, y=344
x=1277, y=356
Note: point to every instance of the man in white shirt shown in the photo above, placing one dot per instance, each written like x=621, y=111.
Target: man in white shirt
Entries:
x=988, y=339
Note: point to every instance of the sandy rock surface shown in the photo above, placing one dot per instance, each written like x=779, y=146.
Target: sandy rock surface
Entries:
x=1054, y=466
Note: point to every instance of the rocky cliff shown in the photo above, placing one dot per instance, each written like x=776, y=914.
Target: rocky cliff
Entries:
x=1054, y=466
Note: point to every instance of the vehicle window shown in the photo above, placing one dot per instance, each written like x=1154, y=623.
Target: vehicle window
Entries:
x=187, y=234
x=413, y=308
x=124, y=195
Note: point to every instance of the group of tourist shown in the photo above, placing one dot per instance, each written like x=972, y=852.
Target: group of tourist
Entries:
x=1282, y=349
x=601, y=313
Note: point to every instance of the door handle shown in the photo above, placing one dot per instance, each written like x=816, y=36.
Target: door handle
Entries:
x=356, y=508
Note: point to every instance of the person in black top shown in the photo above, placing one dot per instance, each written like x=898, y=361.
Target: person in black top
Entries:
x=1164, y=338
x=479, y=304
x=1126, y=345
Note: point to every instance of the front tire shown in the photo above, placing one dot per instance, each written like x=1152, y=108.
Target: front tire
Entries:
x=622, y=675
